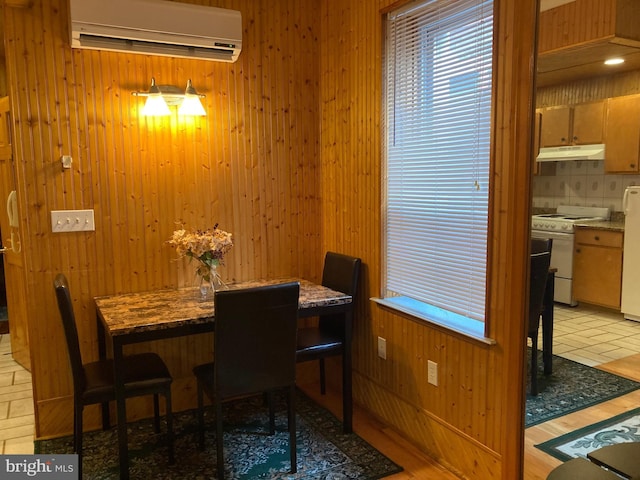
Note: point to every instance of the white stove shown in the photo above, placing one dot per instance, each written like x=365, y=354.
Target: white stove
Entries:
x=566, y=217
x=560, y=228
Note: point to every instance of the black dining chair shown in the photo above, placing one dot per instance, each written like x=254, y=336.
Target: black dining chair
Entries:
x=254, y=353
x=332, y=335
x=539, y=271
x=93, y=382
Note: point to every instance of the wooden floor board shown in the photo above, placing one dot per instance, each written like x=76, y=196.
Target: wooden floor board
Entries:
x=537, y=464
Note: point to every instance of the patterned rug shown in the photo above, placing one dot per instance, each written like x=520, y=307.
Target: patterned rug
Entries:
x=324, y=452
x=621, y=428
x=571, y=387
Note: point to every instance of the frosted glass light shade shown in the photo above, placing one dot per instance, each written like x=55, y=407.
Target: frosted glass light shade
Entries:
x=155, y=106
x=191, y=105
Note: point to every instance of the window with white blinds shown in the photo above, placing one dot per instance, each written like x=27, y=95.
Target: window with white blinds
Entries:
x=437, y=103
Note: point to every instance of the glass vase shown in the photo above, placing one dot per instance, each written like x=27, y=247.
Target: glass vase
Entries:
x=210, y=281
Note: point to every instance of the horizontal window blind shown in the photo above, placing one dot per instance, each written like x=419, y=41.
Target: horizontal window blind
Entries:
x=438, y=83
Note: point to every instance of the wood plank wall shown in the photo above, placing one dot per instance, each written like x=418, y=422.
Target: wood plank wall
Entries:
x=589, y=89
x=576, y=23
x=250, y=165
x=469, y=422
x=288, y=159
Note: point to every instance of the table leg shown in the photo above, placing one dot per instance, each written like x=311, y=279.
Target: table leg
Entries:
x=102, y=354
x=547, y=325
x=123, y=452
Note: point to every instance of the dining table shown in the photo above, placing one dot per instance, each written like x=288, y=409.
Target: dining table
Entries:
x=144, y=316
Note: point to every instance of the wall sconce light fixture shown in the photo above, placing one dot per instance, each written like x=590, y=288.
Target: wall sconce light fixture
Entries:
x=160, y=97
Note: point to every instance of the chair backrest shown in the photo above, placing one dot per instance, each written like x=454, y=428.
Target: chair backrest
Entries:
x=539, y=245
x=341, y=273
x=538, y=281
x=255, y=339
x=70, y=330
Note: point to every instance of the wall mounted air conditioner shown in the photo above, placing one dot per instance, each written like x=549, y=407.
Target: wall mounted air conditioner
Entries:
x=157, y=27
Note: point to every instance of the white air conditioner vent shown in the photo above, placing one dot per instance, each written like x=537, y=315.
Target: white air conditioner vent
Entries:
x=157, y=27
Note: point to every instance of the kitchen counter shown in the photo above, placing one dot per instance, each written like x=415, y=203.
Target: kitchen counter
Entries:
x=614, y=225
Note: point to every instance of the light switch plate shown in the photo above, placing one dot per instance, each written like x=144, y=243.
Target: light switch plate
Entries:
x=72, y=221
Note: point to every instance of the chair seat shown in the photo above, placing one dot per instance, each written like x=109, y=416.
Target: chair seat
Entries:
x=622, y=458
x=580, y=469
x=313, y=343
x=142, y=371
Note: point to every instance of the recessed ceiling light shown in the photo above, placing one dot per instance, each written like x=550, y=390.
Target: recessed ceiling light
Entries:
x=614, y=61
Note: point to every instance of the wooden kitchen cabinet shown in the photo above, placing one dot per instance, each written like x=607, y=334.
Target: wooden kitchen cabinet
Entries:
x=597, y=267
x=580, y=124
x=622, y=135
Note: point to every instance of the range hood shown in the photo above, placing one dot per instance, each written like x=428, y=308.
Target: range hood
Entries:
x=573, y=152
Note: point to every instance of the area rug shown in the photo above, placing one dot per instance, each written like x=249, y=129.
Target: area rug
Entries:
x=621, y=428
x=571, y=387
x=324, y=452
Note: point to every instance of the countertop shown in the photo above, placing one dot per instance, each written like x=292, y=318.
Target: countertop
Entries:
x=611, y=225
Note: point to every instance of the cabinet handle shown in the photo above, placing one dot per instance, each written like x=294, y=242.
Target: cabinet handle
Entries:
x=563, y=139
x=596, y=238
x=577, y=250
x=575, y=138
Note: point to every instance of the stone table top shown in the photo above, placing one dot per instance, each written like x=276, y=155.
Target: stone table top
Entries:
x=164, y=309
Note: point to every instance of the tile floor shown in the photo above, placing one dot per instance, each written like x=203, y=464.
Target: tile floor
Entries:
x=592, y=336
x=585, y=334
x=16, y=404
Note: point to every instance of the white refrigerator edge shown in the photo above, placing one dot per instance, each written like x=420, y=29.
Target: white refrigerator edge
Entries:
x=630, y=305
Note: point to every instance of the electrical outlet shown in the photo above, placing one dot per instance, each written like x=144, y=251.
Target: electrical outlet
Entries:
x=432, y=372
x=382, y=348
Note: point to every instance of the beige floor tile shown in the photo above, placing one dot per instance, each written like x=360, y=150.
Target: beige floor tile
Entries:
x=22, y=376
x=18, y=431
x=582, y=359
x=6, y=379
x=607, y=337
x=601, y=348
x=11, y=423
x=19, y=446
x=619, y=353
x=4, y=410
x=21, y=408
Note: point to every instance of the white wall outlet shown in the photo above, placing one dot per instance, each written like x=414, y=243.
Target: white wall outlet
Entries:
x=382, y=348
x=66, y=161
x=72, y=221
x=432, y=372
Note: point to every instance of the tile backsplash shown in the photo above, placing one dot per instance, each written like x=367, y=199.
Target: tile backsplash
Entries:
x=581, y=183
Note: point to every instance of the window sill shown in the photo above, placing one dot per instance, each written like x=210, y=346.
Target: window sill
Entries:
x=473, y=329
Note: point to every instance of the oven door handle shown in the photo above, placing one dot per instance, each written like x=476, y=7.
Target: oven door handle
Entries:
x=553, y=235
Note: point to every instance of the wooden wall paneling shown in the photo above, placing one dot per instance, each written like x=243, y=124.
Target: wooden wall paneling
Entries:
x=575, y=23
x=617, y=85
x=469, y=409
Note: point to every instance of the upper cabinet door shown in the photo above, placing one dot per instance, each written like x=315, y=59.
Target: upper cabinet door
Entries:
x=588, y=123
x=555, y=129
x=622, y=136
x=581, y=124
